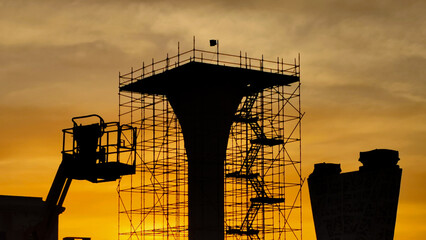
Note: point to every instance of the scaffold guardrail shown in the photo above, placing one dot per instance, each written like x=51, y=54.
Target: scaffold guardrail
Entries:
x=277, y=66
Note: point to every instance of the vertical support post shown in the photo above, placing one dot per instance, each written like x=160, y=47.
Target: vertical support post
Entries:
x=300, y=153
x=119, y=108
x=193, y=48
x=154, y=157
x=143, y=69
x=178, y=55
x=217, y=52
x=118, y=141
x=167, y=62
x=119, y=205
x=152, y=67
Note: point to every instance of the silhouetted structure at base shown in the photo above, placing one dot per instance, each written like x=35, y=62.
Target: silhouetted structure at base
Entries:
x=356, y=205
x=20, y=215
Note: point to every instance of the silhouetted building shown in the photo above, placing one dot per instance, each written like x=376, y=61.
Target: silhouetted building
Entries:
x=19, y=216
x=356, y=205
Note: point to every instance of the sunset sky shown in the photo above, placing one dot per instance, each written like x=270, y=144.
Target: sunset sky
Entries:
x=362, y=72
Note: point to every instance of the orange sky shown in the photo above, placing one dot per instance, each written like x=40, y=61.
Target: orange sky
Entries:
x=363, y=78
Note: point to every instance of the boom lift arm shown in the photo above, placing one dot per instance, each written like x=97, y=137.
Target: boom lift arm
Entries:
x=93, y=154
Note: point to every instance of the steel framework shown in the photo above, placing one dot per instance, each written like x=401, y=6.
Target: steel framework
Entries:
x=152, y=204
x=263, y=167
x=263, y=198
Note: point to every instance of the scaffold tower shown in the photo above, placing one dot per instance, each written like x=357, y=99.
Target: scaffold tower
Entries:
x=218, y=148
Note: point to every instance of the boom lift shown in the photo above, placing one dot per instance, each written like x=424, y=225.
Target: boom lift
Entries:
x=97, y=152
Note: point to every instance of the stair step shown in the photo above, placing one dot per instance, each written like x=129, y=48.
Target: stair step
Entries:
x=238, y=174
x=242, y=232
x=267, y=200
x=267, y=141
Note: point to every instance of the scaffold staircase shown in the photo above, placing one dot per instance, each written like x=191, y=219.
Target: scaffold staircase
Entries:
x=244, y=115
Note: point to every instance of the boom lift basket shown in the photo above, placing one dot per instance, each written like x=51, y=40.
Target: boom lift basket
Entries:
x=98, y=152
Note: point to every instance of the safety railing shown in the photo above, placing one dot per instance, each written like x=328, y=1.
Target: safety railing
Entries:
x=196, y=55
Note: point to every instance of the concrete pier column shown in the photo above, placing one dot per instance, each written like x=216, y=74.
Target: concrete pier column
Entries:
x=205, y=114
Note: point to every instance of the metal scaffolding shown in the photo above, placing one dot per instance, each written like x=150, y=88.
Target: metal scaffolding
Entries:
x=263, y=180
x=153, y=203
x=263, y=167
